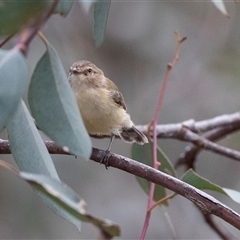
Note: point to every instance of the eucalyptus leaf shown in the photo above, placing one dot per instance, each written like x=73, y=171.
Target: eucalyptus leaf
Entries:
x=143, y=154
x=67, y=199
x=14, y=14
x=13, y=83
x=86, y=5
x=202, y=183
x=54, y=107
x=64, y=7
x=100, y=15
x=27, y=146
x=219, y=4
x=233, y=194
x=31, y=155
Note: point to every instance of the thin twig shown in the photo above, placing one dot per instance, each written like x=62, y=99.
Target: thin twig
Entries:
x=162, y=200
x=6, y=40
x=219, y=230
x=154, y=122
x=189, y=136
x=9, y=167
x=190, y=153
x=29, y=32
x=43, y=38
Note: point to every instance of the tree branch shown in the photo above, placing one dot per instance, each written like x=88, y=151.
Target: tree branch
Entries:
x=190, y=153
x=206, y=203
x=188, y=131
x=6, y=40
x=173, y=130
x=225, y=235
x=29, y=32
x=202, y=142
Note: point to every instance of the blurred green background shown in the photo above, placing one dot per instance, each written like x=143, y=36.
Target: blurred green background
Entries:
x=139, y=42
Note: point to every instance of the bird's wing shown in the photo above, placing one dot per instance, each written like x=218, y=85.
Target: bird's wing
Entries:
x=118, y=98
x=116, y=95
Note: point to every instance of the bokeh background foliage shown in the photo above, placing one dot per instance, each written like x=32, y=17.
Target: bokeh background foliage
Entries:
x=138, y=44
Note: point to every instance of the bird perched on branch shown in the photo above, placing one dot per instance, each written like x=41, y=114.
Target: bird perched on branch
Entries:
x=101, y=105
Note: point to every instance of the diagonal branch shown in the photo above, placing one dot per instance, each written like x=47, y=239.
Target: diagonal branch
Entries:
x=187, y=135
x=6, y=40
x=30, y=31
x=225, y=235
x=206, y=203
x=190, y=153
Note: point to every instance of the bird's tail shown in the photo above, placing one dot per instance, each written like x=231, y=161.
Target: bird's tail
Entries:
x=133, y=135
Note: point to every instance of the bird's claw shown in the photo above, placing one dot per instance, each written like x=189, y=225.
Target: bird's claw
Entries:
x=105, y=159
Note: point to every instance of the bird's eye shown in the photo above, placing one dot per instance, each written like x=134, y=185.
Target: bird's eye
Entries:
x=89, y=70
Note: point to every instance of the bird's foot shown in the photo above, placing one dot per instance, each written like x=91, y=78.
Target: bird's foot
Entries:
x=105, y=159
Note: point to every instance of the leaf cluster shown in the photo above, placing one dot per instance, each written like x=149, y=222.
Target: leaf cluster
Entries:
x=53, y=109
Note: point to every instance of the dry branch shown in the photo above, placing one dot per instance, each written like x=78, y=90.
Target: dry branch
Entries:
x=206, y=203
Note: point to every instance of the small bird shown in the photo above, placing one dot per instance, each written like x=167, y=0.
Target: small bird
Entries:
x=101, y=105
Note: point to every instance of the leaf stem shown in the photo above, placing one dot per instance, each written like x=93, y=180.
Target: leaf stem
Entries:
x=9, y=167
x=43, y=38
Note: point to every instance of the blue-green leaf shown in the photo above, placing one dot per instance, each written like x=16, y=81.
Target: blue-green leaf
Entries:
x=202, y=183
x=27, y=146
x=233, y=194
x=67, y=199
x=54, y=107
x=219, y=4
x=100, y=14
x=64, y=7
x=143, y=154
x=86, y=5
x=13, y=83
x=14, y=14
x=31, y=155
